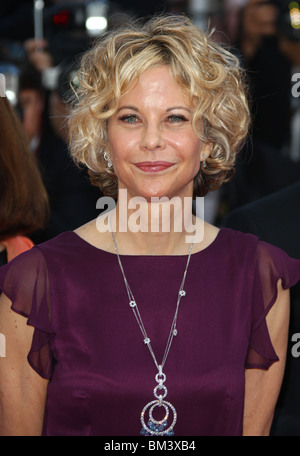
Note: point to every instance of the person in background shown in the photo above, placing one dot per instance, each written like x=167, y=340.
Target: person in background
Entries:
x=24, y=206
x=72, y=198
x=261, y=36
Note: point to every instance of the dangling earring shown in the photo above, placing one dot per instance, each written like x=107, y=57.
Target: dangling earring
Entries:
x=204, y=162
x=107, y=159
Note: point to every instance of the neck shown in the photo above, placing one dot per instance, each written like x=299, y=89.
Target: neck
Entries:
x=158, y=227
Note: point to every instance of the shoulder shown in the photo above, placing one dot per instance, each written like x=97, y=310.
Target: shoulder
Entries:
x=238, y=241
x=235, y=240
x=58, y=251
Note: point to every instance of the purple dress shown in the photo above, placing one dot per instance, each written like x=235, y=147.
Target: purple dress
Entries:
x=88, y=343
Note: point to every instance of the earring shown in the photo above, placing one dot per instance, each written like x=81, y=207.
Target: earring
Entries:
x=107, y=159
x=204, y=162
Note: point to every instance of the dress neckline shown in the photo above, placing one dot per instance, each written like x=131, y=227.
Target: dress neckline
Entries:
x=207, y=249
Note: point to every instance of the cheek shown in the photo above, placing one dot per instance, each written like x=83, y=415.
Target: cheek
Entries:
x=122, y=145
x=192, y=154
x=185, y=141
x=190, y=149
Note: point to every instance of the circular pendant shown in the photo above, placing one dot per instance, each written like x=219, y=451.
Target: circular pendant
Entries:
x=158, y=427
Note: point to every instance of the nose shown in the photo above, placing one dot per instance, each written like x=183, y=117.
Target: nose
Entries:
x=152, y=138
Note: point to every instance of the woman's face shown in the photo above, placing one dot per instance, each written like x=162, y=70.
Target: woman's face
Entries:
x=154, y=148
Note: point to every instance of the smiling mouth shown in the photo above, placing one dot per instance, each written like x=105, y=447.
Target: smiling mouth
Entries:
x=153, y=166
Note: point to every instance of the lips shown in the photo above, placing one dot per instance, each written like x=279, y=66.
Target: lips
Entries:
x=153, y=166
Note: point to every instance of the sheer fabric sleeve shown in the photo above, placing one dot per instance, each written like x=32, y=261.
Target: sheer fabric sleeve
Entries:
x=24, y=280
x=271, y=265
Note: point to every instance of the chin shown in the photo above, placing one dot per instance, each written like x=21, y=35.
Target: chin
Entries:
x=149, y=190
x=157, y=193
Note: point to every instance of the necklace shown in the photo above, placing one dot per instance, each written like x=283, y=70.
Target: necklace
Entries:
x=153, y=426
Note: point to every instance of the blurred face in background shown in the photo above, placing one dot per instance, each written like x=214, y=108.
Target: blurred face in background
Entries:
x=31, y=103
x=291, y=50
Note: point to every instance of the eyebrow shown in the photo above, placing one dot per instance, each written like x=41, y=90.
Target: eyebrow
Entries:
x=179, y=107
x=133, y=108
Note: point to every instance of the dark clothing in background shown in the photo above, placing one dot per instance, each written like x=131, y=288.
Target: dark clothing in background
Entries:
x=261, y=170
x=72, y=196
x=269, y=74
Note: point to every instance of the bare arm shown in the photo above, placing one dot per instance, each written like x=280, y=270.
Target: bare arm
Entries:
x=22, y=390
x=262, y=387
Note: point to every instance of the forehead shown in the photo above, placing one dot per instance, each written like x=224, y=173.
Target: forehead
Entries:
x=154, y=85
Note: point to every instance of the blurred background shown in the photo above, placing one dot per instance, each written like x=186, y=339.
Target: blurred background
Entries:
x=41, y=40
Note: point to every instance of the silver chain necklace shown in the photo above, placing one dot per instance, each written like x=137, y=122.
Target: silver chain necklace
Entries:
x=153, y=426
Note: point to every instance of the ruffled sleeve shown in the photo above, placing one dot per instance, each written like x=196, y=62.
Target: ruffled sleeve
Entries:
x=271, y=265
x=24, y=280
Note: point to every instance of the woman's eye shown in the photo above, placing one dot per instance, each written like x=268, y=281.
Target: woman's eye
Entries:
x=130, y=119
x=177, y=118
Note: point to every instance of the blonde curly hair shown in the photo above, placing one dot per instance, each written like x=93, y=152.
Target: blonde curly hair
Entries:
x=210, y=74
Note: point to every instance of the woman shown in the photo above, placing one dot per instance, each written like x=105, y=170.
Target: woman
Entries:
x=128, y=302
x=23, y=198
